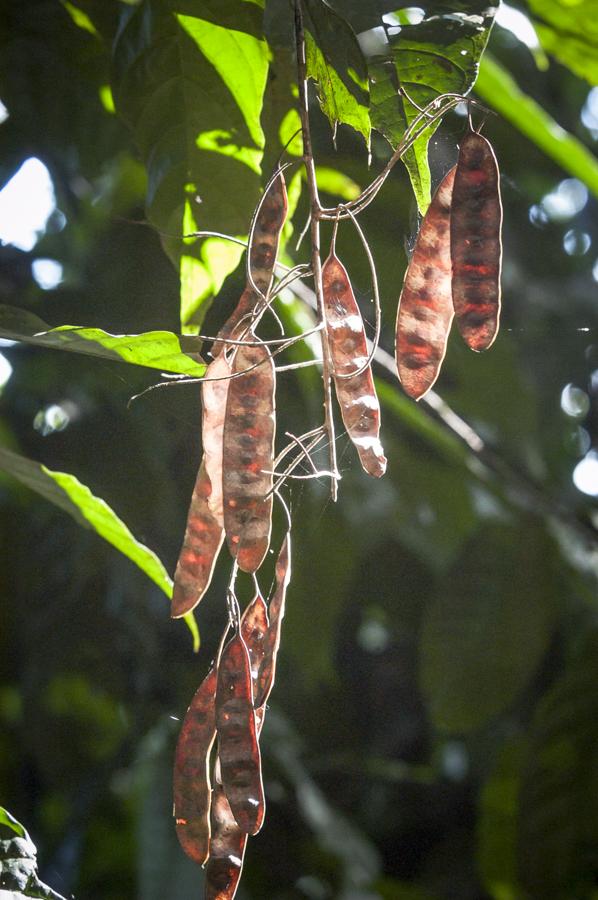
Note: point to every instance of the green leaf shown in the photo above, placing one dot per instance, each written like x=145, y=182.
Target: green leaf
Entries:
x=80, y=18
x=498, y=89
x=569, y=31
x=336, y=63
x=18, y=865
x=439, y=55
x=189, y=79
x=67, y=492
x=337, y=183
x=154, y=349
x=558, y=814
x=487, y=630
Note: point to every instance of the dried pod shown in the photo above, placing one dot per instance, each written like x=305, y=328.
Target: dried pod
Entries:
x=426, y=304
x=249, y=456
x=348, y=348
x=265, y=238
x=214, y=391
x=191, y=782
x=476, y=252
x=238, y=748
x=201, y=545
x=254, y=628
x=227, y=849
x=267, y=669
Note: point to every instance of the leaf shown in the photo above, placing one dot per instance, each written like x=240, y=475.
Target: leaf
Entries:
x=67, y=492
x=497, y=88
x=569, y=31
x=155, y=349
x=337, y=183
x=558, y=809
x=336, y=63
x=439, y=55
x=487, y=630
x=190, y=80
x=18, y=864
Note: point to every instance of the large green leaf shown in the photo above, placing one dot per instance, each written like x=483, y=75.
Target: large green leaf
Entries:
x=498, y=89
x=336, y=63
x=487, y=630
x=189, y=79
x=67, y=492
x=558, y=831
x=18, y=863
x=438, y=55
x=569, y=31
x=155, y=349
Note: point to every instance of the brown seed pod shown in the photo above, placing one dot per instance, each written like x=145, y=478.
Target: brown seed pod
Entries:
x=201, y=545
x=348, y=348
x=191, y=781
x=265, y=238
x=227, y=850
x=214, y=391
x=249, y=456
x=254, y=628
x=476, y=251
x=267, y=669
x=426, y=304
x=238, y=748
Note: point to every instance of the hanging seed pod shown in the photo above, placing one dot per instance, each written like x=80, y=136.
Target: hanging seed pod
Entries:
x=249, y=456
x=191, y=781
x=267, y=669
x=254, y=628
x=426, y=304
x=348, y=348
x=238, y=748
x=476, y=252
x=227, y=850
x=265, y=238
x=214, y=391
x=202, y=542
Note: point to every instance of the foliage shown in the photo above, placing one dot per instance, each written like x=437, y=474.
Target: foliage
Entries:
x=432, y=729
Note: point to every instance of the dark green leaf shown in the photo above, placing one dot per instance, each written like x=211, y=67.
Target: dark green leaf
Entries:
x=498, y=89
x=154, y=349
x=488, y=628
x=569, y=31
x=8, y=821
x=438, y=55
x=336, y=63
x=67, y=492
x=189, y=81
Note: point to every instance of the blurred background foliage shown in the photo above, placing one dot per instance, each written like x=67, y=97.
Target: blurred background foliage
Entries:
x=434, y=728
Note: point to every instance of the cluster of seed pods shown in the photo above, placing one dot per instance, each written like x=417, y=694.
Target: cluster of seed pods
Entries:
x=454, y=270
x=217, y=785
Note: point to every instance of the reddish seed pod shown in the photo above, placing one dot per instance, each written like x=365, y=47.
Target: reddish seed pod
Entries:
x=348, y=348
x=227, y=850
x=267, y=228
x=267, y=668
x=214, y=391
x=202, y=542
x=476, y=251
x=254, y=628
x=249, y=456
x=426, y=304
x=238, y=748
x=191, y=782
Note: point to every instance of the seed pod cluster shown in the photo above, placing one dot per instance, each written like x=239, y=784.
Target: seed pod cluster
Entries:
x=455, y=269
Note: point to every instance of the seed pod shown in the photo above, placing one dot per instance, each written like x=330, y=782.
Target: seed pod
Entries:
x=267, y=669
x=249, y=457
x=238, y=748
x=227, y=850
x=214, y=391
x=348, y=348
x=265, y=238
x=191, y=782
x=201, y=545
x=254, y=628
x=476, y=220
x=426, y=304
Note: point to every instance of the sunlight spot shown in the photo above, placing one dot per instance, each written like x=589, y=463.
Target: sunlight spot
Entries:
x=51, y=419
x=595, y=271
x=518, y=24
x=5, y=370
x=47, y=272
x=576, y=243
x=26, y=203
x=589, y=113
x=3, y=113
x=585, y=475
x=574, y=401
x=567, y=200
x=455, y=760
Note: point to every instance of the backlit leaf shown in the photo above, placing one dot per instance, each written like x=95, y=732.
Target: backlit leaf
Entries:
x=569, y=31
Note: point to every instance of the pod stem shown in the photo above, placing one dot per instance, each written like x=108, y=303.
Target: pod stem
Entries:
x=316, y=261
